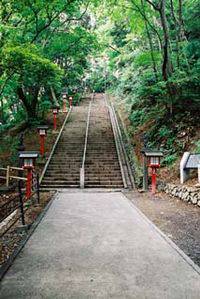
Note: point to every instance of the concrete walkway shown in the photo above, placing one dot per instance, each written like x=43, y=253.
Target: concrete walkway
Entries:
x=98, y=245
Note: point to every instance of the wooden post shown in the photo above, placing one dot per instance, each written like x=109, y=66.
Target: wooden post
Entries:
x=21, y=203
x=199, y=173
x=7, y=176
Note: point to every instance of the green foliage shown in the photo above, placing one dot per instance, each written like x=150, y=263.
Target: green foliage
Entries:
x=31, y=68
x=144, y=59
x=160, y=104
x=197, y=145
x=43, y=47
x=9, y=146
x=169, y=159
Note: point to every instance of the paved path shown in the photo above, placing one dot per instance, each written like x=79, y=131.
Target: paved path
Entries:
x=98, y=245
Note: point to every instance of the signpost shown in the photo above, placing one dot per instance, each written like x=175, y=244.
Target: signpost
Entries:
x=188, y=162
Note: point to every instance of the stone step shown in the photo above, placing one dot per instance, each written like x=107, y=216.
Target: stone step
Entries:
x=69, y=170
x=59, y=182
x=58, y=174
x=99, y=177
x=57, y=170
x=104, y=186
x=66, y=163
x=104, y=182
x=61, y=177
x=43, y=186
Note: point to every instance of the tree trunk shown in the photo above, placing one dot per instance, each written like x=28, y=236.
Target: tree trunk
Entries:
x=181, y=22
x=2, y=111
x=30, y=106
x=150, y=43
x=167, y=65
x=177, y=38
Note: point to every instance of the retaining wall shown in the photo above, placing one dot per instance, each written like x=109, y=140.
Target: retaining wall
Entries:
x=185, y=193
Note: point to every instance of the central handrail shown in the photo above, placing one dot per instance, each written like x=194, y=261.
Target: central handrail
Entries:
x=82, y=169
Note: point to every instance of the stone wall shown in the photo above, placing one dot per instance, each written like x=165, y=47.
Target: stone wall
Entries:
x=185, y=193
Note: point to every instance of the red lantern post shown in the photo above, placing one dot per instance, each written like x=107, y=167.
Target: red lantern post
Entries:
x=64, y=97
x=42, y=130
x=154, y=162
x=153, y=180
x=55, y=112
x=70, y=101
x=29, y=183
x=28, y=164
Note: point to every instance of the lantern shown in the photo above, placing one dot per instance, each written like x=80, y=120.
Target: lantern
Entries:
x=55, y=112
x=56, y=109
x=64, y=98
x=29, y=159
x=42, y=130
x=154, y=158
x=70, y=101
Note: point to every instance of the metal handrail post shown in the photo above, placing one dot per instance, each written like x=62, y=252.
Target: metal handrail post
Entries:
x=82, y=169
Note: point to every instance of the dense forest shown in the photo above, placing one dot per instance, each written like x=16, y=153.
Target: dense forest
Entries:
x=145, y=53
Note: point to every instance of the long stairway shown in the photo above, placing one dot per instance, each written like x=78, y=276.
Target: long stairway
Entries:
x=102, y=167
x=89, y=131
x=64, y=168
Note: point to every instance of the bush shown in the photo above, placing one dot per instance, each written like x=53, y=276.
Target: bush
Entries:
x=169, y=160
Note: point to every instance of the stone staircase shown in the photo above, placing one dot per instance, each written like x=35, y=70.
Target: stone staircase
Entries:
x=102, y=168
x=63, y=170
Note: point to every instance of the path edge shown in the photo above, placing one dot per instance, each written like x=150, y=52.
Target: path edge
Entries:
x=5, y=267
x=164, y=236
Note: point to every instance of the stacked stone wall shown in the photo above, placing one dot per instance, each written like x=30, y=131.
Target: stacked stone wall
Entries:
x=185, y=193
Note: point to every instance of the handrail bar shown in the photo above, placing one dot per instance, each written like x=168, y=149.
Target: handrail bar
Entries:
x=11, y=167
x=116, y=140
x=123, y=148
x=82, y=169
x=8, y=176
